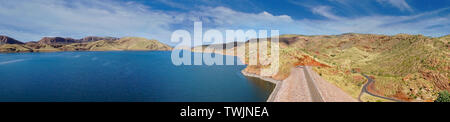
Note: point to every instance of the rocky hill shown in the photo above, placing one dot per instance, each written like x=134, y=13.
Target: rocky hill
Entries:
x=92, y=43
x=8, y=40
x=406, y=67
x=57, y=40
x=95, y=38
x=126, y=43
x=60, y=40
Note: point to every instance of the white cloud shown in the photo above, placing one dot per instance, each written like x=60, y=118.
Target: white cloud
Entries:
x=222, y=18
x=32, y=19
x=173, y=4
x=428, y=23
x=81, y=18
x=400, y=4
x=226, y=17
x=325, y=11
x=29, y=20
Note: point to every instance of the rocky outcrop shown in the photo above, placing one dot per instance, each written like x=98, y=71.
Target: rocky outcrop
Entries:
x=8, y=40
x=57, y=40
x=61, y=40
x=96, y=38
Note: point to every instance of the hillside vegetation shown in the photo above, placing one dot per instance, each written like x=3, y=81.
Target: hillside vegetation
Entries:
x=406, y=67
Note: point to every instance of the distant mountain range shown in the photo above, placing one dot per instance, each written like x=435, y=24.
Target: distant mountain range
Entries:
x=91, y=43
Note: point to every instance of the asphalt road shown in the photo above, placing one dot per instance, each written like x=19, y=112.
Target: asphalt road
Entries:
x=364, y=90
x=315, y=94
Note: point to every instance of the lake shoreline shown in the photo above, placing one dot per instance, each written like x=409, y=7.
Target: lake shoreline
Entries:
x=277, y=83
x=275, y=90
x=84, y=51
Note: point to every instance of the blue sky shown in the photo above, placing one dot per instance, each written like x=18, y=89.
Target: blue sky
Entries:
x=30, y=20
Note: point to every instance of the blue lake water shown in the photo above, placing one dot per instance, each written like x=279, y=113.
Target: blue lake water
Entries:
x=122, y=76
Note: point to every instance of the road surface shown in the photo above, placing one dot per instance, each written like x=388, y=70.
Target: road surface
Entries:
x=313, y=90
x=305, y=85
x=364, y=90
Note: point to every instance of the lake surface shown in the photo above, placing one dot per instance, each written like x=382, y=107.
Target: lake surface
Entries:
x=122, y=76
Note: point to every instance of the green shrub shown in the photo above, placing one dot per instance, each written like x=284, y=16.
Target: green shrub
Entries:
x=444, y=96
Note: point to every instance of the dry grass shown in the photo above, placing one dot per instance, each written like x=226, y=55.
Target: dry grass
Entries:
x=414, y=66
x=369, y=98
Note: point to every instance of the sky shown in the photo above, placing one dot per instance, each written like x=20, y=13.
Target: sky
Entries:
x=30, y=20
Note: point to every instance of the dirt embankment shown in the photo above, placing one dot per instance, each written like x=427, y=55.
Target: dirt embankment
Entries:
x=399, y=95
x=293, y=86
x=293, y=89
x=328, y=91
x=308, y=61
